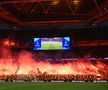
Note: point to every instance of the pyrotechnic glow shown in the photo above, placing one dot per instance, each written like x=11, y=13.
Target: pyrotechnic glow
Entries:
x=24, y=63
x=8, y=42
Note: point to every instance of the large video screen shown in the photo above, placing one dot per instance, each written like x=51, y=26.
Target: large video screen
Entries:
x=56, y=43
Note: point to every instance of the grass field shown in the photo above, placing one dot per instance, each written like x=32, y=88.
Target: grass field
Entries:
x=51, y=45
x=52, y=86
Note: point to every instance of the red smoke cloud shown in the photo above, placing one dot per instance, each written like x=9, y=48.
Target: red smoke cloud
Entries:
x=23, y=63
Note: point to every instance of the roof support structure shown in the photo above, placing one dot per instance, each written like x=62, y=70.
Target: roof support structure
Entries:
x=8, y=16
x=21, y=1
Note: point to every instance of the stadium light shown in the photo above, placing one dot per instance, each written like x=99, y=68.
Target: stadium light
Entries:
x=55, y=2
x=76, y=2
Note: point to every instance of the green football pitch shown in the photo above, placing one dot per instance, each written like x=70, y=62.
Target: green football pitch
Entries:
x=51, y=45
x=52, y=86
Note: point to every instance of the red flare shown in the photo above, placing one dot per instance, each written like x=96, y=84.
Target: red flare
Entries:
x=24, y=63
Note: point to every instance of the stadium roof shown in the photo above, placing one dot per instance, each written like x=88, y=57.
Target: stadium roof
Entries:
x=53, y=11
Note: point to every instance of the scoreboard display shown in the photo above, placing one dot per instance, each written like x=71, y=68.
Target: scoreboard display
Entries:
x=56, y=43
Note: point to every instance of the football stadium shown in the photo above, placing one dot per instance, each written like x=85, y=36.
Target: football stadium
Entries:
x=53, y=44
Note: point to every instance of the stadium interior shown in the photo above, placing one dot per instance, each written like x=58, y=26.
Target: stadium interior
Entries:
x=84, y=56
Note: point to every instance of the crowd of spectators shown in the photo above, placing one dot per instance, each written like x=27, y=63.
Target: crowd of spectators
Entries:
x=46, y=77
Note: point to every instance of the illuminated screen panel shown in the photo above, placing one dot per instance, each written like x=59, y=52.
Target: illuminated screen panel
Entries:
x=56, y=43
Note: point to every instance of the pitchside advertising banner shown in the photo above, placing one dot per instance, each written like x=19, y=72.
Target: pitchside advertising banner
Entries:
x=56, y=43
